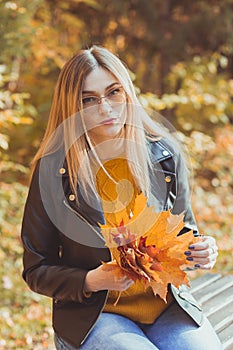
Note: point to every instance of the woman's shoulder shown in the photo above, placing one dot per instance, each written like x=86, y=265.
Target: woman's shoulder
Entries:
x=53, y=164
x=162, y=148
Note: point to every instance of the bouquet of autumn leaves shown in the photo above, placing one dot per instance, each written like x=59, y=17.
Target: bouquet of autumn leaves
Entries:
x=147, y=248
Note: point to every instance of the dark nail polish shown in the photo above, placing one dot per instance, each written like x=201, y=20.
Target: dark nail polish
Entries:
x=189, y=258
x=197, y=265
x=187, y=253
x=191, y=247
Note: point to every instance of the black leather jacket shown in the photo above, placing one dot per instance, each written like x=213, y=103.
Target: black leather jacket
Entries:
x=62, y=240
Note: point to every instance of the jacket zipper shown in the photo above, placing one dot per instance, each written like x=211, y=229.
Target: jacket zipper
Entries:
x=85, y=220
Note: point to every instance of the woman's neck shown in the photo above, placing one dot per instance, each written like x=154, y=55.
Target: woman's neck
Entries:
x=109, y=148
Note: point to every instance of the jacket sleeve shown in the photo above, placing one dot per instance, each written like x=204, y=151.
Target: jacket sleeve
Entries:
x=183, y=198
x=42, y=270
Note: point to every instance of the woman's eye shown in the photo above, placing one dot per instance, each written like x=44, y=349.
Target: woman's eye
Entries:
x=114, y=92
x=89, y=100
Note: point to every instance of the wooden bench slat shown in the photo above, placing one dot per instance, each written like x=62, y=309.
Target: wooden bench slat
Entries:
x=215, y=294
x=216, y=287
x=226, y=337
x=218, y=301
x=224, y=323
x=222, y=318
x=203, y=281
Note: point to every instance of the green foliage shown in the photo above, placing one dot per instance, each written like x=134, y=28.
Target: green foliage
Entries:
x=15, y=110
x=200, y=94
x=24, y=316
x=15, y=29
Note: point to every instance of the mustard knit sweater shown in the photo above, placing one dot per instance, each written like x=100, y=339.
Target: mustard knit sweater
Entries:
x=135, y=303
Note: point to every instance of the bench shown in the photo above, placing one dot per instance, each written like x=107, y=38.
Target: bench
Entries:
x=214, y=292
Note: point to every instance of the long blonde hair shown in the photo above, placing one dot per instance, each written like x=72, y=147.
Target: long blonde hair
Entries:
x=67, y=101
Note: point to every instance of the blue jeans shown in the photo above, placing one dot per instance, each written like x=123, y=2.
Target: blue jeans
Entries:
x=174, y=329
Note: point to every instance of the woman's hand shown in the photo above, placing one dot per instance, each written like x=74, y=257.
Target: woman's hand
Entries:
x=100, y=279
x=204, y=253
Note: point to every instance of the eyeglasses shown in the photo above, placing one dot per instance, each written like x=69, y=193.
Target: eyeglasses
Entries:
x=115, y=95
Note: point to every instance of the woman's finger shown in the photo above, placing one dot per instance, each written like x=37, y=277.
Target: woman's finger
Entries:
x=207, y=244
x=205, y=260
x=210, y=252
x=204, y=253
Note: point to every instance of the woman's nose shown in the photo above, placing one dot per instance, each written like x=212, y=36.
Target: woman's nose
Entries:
x=104, y=106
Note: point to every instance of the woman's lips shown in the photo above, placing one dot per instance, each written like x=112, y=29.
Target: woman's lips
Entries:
x=109, y=121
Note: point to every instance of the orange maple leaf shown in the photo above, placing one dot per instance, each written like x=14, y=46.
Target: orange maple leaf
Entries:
x=143, y=219
x=147, y=247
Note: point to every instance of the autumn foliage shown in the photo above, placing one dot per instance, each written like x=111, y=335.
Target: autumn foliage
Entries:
x=180, y=57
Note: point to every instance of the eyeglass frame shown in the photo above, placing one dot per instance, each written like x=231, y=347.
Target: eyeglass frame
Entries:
x=108, y=100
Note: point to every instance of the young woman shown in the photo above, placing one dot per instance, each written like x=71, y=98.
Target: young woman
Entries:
x=99, y=151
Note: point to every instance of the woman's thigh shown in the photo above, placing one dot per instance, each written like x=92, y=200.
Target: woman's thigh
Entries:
x=115, y=332
x=112, y=332
x=174, y=329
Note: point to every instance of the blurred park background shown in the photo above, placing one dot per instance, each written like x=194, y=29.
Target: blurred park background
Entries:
x=179, y=54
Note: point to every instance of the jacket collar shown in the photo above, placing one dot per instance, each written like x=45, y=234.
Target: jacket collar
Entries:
x=159, y=153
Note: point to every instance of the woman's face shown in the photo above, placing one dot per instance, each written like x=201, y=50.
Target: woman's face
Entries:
x=104, y=104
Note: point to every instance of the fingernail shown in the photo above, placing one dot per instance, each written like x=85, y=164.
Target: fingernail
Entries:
x=187, y=253
x=191, y=247
x=197, y=265
x=189, y=258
